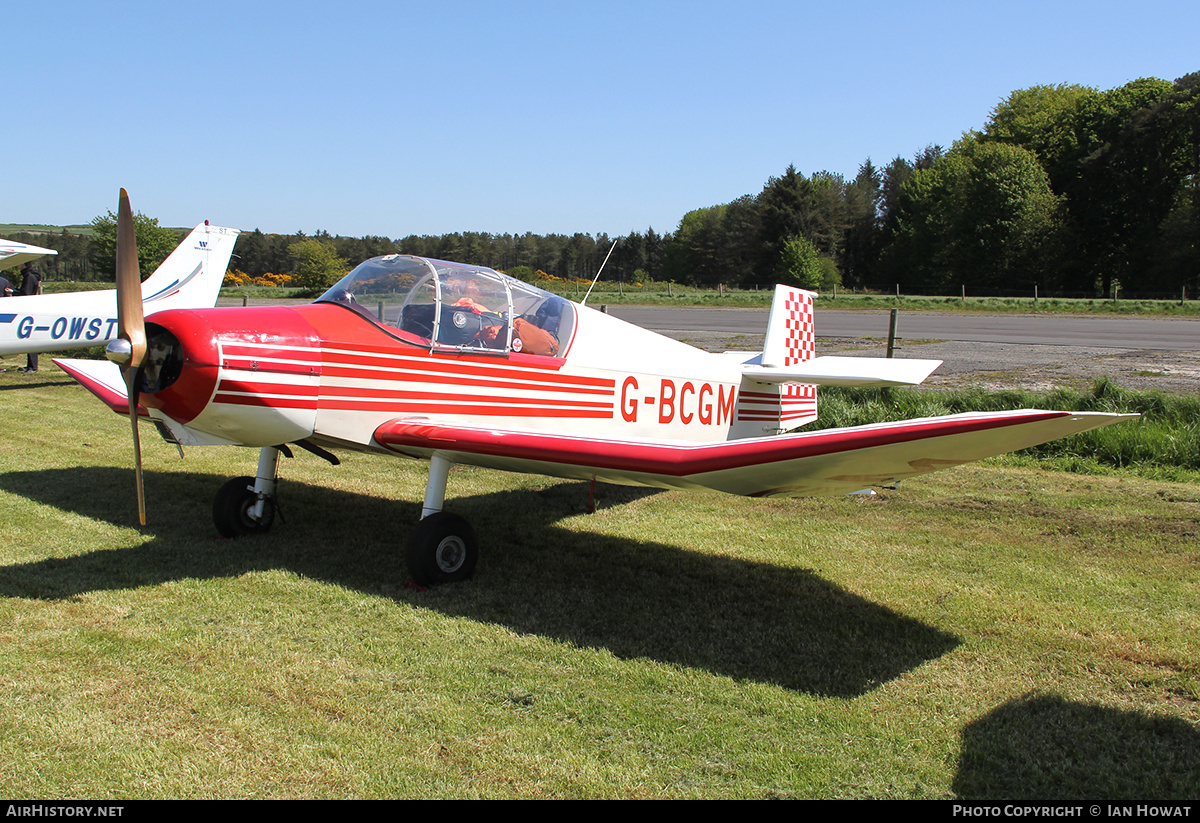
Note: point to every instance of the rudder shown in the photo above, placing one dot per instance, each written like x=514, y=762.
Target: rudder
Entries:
x=191, y=276
x=791, y=339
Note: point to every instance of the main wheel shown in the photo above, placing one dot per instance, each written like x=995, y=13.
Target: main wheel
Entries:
x=232, y=505
x=442, y=549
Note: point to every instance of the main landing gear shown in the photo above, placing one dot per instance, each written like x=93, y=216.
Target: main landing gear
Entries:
x=441, y=548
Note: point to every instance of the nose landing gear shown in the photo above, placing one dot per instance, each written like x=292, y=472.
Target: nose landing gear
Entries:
x=246, y=505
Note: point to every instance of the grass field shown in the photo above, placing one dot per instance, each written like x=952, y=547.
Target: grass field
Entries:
x=987, y=632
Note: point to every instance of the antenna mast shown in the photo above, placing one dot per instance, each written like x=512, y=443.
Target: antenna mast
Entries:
x=597, y=277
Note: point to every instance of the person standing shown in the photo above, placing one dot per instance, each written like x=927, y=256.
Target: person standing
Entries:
x=31, y=283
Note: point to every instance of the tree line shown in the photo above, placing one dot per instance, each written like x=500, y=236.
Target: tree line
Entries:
x=1066, y=188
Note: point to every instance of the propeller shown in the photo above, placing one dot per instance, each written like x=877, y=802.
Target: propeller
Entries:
x=128, y=350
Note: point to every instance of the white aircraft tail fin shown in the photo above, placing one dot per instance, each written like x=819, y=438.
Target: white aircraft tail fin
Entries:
x=191, y=276
x=776, y=406
x=790, y=335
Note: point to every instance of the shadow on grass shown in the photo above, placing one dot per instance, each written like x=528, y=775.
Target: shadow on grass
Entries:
x=26, y=384
x=636, y=599
x=1047, y=748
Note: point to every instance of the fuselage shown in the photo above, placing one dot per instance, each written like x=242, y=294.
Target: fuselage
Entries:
x=52, y=322
x=276, y=374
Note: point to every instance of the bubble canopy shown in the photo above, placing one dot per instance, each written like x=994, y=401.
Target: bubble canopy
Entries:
x=445, y=305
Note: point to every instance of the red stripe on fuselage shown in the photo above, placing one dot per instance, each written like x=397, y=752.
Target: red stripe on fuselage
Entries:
x=359, y=365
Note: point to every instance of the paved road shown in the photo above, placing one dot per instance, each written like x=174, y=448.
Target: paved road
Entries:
x=1165, y=334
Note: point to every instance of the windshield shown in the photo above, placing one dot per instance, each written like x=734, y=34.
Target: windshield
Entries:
x=453, y=305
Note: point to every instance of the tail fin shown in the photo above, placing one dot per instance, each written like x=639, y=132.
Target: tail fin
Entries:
x=790, y=335
x=190, y=278
x=769, y=409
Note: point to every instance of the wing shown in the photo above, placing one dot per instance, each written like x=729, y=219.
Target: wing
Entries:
x=830, y=462
x=103, y=379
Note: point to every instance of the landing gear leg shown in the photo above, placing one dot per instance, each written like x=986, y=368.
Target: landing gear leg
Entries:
x=246, y=505
x=442, y=547
x=264, y=483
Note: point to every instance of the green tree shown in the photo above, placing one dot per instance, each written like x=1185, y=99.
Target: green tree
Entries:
x=863, y=236
x=317, y=265
x=800, y=264
x=154, y=244
x=981, y=216
x=695, y=253
x=1118, y=159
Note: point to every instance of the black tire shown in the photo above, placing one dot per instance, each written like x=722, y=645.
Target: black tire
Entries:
x=231, y=509
x=442, y=549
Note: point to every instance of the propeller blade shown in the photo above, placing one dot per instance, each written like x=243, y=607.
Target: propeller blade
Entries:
x=130, y=320
x=130, y=377
x=131, y=326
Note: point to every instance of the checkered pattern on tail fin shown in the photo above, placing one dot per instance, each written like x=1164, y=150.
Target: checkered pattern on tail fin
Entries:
x=790, y=340
x=790, y=336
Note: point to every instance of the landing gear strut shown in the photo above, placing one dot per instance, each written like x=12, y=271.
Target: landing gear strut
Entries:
x=246, y=505
x=442, y=547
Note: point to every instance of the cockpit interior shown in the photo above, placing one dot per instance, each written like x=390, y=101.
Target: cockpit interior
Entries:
x=455, y=306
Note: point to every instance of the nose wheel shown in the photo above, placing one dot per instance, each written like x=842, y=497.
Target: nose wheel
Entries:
x=236, y=510
x=246, y=505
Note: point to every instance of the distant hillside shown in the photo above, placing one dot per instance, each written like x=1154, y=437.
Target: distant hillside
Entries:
x=84, y=230
x=81, y=230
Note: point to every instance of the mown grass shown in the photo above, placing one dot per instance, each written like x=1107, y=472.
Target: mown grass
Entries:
x=60, y=286
x=984, y=632
x=1163, y=444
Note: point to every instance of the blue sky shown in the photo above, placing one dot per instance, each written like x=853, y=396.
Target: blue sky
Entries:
x=397, y=118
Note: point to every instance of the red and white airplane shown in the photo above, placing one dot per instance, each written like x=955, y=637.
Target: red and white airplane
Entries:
x=462, y=364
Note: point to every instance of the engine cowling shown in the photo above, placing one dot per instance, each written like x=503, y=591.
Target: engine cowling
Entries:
x=248, y=376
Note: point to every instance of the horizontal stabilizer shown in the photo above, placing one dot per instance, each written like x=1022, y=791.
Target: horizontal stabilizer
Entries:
x=847, y=371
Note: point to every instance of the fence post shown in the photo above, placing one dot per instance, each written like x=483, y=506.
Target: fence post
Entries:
x=892, y=333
